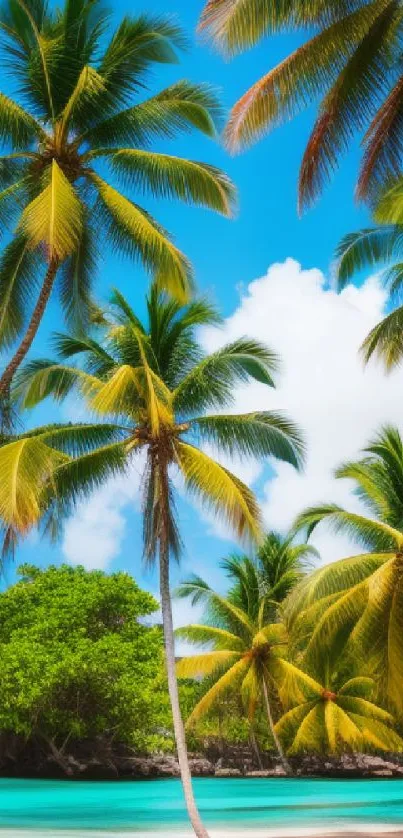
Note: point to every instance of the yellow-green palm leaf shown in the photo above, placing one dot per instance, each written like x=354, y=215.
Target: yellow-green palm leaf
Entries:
x=220, y=490
x=136, y=230
x=26, y=465
x=54, y=218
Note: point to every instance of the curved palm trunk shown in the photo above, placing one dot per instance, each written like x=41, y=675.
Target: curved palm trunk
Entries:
x=33, y=326
x=284, y=761
x=179, y=729
x=169, y=642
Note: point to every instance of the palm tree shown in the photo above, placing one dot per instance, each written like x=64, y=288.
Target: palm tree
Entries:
x=333, y=714
x=352, y=64
x=154, y=384
x=372, y=248
x=265, y=581
x=248, y=653
x=357, y=603
x=80, y=112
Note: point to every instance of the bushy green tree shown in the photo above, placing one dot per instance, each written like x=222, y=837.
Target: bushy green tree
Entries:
x=76, y=660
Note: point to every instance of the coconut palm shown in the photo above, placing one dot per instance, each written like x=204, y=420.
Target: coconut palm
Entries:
x=81, y=112
x=154, y=384
x=265, y=581
x=333, y=714
x=351, y=63
x=357, y=603
x=247, y=655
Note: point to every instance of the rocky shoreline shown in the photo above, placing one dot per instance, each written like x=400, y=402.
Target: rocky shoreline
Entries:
x=98, y=760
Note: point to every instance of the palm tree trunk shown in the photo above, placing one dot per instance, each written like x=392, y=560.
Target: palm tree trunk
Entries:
x=33, y=326
x=284, y=761
x=174, y=696
x=255, y=747
x=169, y=642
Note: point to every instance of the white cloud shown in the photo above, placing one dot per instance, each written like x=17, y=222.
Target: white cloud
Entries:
x=323, y=386
x=93, y=536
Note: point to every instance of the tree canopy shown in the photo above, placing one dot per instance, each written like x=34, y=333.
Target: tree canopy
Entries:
x=78, y=659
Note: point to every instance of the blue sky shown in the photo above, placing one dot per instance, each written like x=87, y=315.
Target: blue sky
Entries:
x=227, y=255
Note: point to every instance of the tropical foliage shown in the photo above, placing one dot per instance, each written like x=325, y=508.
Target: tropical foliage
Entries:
x=318, y=696
x=351, y=63
x=380, y=248
x=247, y=655
x=334, y=716
x=82, y=112
x=262, y=583
x=356, y=604
x=79, y=662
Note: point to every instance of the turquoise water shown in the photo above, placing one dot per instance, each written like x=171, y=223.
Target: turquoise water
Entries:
x=139, y=807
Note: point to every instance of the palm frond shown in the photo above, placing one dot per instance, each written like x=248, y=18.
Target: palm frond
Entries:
x=17, y=126
x=386, y=340
x=220, y=491
x=76, y=479
x=205, y=635
x=237, y=25
x=135, y=232
x=19, y=274
x=229, y=681
x=26, y=465
x=41, y=378
x=366, y=249
x=347, y=107
x=168, y=176
x=282, y=92
x=221, y=611
x=211, y=383
x=358, y=687
x=179, y=108
x=54, y=218
x=198, y=666
x=371, y=533
x=383, y=146
x=75, y=282
x=331, y=580
x=264, y=434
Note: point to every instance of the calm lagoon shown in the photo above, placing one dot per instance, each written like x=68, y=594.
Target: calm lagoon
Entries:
x=229, y=806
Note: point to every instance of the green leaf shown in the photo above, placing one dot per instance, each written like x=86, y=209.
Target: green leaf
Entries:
x=263, y=434
x=19, y=279
x=168, y=176
x=211, y=383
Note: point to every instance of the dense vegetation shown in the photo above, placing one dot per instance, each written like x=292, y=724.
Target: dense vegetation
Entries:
x=292, y=657
x=79, y=662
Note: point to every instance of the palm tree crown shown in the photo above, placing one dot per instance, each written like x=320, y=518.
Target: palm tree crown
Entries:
x=263, y=582
x=82, y=112
x=247, y=655
x=156, y=384
x=352, y=63
x=334, y=715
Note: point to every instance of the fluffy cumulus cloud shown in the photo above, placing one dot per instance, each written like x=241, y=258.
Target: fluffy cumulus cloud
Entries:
x=93, y=537
x=323, y=386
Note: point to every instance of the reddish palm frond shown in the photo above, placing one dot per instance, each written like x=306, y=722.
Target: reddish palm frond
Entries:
x=383, y=145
